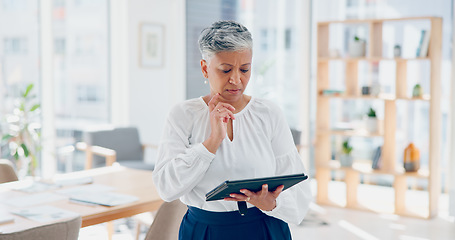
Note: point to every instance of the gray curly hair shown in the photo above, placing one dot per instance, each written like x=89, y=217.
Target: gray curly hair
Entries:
x=224, y=36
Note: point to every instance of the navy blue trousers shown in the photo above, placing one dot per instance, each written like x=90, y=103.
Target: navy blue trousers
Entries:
x=198, y=224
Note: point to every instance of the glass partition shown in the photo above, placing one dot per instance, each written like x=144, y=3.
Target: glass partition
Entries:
x=81, y=73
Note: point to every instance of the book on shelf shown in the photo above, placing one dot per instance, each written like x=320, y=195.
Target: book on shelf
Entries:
x=331, y=92
x=377, y=158
x=422, y=49
x=425, y=44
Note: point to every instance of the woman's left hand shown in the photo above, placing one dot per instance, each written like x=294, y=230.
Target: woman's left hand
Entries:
x=263, y=199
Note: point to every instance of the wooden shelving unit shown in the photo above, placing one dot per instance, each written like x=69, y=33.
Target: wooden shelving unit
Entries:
x=389, y=164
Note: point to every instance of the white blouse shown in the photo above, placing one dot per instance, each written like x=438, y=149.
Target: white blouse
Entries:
x=262, y=146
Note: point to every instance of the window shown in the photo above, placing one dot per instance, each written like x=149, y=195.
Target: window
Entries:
x=275, y=71
x=288, y=39
x=81, y=66
x=15, y=46
x=19, y=55
x=88, y=94
x=16, y=5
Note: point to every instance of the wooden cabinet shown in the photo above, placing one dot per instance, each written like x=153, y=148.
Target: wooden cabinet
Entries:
x=390, y=164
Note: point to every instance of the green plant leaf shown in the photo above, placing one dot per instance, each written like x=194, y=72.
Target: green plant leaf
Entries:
x=371, y=113
x=347, y=149
x=26, y=133
x=26, y=152
x=27, y=91
x=7, y=137
x=22, y=106
x=33, y=165
x=34, y=107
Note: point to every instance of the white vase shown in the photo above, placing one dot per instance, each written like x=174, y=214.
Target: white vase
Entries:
x=346, y=160
x=371, y=124
x=23, y=167
x=357, y=48
x=375, y=89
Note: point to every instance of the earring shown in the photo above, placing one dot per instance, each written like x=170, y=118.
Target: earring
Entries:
x=205, y=82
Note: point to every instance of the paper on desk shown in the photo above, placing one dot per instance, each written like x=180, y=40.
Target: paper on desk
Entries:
x=34, y=199
x=73, y=181
x=86, y=189
x=45, y=213
x=34, y=187
x=105, y=198
x=6, y=218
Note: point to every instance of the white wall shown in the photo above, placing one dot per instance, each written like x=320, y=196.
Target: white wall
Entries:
x=153, y=91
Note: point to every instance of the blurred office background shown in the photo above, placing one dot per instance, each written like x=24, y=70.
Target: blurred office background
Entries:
x=84, y=57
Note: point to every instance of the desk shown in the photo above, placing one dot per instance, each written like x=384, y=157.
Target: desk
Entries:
x=126, y=181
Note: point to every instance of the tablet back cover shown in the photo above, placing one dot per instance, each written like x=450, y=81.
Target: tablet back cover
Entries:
x=255, y=184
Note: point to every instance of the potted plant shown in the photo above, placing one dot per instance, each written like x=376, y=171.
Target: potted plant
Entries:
x=345, y=156
x=417, y=91
x=22, y=133
x=371, y=121
x=357, y=47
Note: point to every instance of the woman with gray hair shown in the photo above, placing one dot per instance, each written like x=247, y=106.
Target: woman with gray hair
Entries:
x=229, y=135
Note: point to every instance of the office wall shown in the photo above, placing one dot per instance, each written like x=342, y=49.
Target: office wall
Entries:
x=153, y=91
x=200, y=14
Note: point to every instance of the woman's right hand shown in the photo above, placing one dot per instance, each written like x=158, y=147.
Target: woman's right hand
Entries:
x=220, y=114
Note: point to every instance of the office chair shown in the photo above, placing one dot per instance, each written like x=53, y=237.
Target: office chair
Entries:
x=167, y=221
x=7, y=172
x=296, y=134
x=64, y=230
x=122, y=145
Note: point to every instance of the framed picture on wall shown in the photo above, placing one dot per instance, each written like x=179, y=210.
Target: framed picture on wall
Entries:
x=151, y=45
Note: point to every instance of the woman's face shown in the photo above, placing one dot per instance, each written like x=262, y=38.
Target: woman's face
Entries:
x=228, y=74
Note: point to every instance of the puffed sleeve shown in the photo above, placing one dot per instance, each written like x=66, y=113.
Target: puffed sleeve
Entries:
x=180, y=165
x=293, y=203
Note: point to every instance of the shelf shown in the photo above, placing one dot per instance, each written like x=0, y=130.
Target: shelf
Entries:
x=422, y=173
x=370, y=59
x=400, y=201
x=382, y=96
x=354, y=133
x=366, y=21
x=365, y=168
x=426, y=97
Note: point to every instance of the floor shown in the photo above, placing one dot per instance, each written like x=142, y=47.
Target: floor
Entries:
x=339, y=223
x=323, y=222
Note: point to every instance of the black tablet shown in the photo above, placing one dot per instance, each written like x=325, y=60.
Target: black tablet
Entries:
x=255, y=184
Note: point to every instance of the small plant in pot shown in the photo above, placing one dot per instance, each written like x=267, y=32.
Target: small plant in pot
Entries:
x=371, y=121
x=345, y=156
x=23, y=136
x=357, y=47
x=417, y=91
